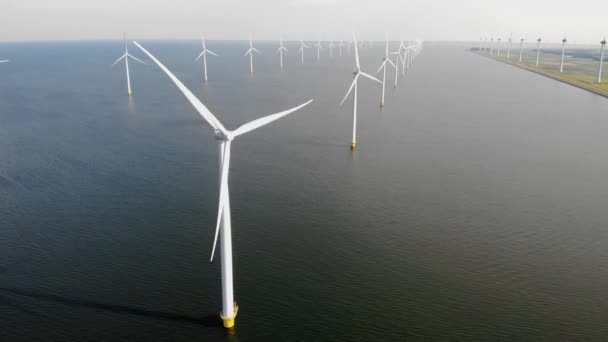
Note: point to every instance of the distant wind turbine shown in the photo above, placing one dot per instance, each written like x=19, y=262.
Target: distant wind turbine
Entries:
x=302, y=47
x=250, y=53
x=521, y=48
x=204, y=55
x=499, y=40
x=382, y=67
x=509, y=46
x=539, y=40
x=491, y=46
x=340, y=46
x=318, y=45
x=223, y=227
x=357, y=73
x=331, y=48
x=126, y=57
x=561, y=66
x=280, y=52
x=599, y=74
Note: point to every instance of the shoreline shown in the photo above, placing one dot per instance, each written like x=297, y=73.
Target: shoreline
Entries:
x=546, y=74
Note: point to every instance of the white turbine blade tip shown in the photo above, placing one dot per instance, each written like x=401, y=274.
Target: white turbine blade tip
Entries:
x=250, y=126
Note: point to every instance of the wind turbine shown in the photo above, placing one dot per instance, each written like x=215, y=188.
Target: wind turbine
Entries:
x=382, y=67
x=599, y=74
x=521, y=48
x=396, y=64
x=204, y=55
x=250, y=53
x=318, y=45
x=561, y=66
x=499, y=40
x=509, y=46
x=280, y=52
x=331, y=48
x=538, y=51
x=223, y=226
x=126, y=57
x=341, y=46
x=302, y=47
x=357, y=73
x=491, y=46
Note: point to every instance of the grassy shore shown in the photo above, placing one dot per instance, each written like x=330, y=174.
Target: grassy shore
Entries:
x=580, y=69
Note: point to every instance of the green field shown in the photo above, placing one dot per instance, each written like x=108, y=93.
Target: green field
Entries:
x=580, y=66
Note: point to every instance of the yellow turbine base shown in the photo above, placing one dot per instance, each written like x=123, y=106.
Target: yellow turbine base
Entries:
x=381, y=104
x=353, y=145
x=229, y=321
x=130, y=94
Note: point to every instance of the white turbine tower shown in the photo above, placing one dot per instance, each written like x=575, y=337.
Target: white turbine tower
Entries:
x=382, y=67
x=331, y=48
x=357, y=73
x=204, y=55
x=302, y=47
x=280, y=52
x=341, y=46
x=509, y=46
x=521, y=48
x=599, y=74
x=538, y=51
x=126, y=57
x=561, y=66
x=491, y=46
x=250, y=53
x=223, y=226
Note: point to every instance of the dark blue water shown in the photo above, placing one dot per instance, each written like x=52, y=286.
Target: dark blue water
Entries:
x=473, y=209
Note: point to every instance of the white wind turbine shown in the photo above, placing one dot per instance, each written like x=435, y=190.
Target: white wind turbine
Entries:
x=509, y=46
x=204, y=55
x=223, y=225
x=250, y=53
x=280, y=52
x=396, y=64
x=319, y=46
x=126, y=57
x=302, y=47
x=357, y=73
x=561, y=66
x=538, y=51
x=491, y=46
x=599, y=74
x=521, y=48
x=499, y=40
x=331, y=48
x=382, y=67
x=341, y=46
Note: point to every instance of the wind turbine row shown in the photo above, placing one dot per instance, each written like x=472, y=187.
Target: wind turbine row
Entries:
x=482, y=49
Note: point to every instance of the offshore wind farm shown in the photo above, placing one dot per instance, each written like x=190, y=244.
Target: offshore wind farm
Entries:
x=306, y=182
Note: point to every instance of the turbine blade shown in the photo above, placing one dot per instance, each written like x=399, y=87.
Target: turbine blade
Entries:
x=5, y=61
x=200, y=107
x=223, y=193
x=248, y=52
x=199, y=56
x=137, y=59
x=391, y=63
x=381, y=66
x=256, y=50
x=370, y=77
x=350, y=89
x=213, y=53
x=119, y=59
x=250, y=126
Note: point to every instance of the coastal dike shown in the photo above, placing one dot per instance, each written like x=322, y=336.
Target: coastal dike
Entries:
x=576, y=78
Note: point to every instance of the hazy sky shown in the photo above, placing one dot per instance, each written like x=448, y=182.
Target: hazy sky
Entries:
x=582, y=21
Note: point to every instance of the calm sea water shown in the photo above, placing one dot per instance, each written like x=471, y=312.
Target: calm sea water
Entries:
x=473, y=209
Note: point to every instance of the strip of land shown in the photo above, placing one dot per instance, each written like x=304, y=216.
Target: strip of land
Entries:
x=579, y=72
